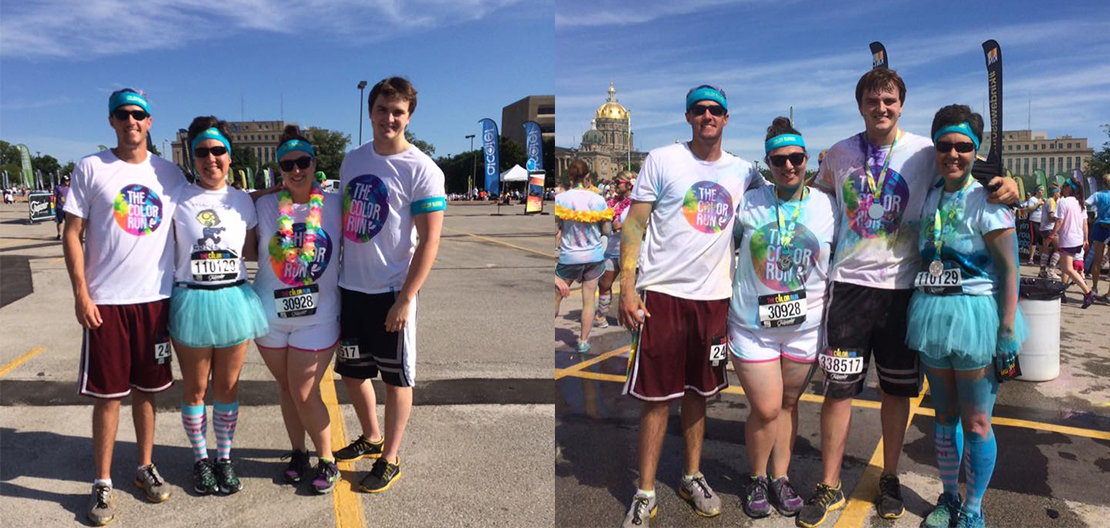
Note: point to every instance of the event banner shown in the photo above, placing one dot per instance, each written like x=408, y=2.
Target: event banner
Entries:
x=38, y=206
x=1024, y=230
x=878, y=56
x=25, y=161
x=533, y=140
x=535, y=192
x=491, y=151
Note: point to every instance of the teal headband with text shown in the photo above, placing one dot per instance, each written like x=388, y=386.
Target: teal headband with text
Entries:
x=128, y=98
x=294, y=145
x=783, y=140
x=962, y=128
x=706, y=92
x=211, y=133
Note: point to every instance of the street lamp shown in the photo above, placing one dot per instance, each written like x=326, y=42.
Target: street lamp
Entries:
x=361, y=87
x=473, y=166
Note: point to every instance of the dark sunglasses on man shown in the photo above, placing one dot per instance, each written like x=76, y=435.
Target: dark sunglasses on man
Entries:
x=122, y=115
x=716, y=110
x=796, y=159
x=203, y=152
x=302, y=163
x=963, y=147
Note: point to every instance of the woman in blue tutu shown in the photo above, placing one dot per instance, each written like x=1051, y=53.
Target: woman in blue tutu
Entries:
x=963, y=319
x=214, y=313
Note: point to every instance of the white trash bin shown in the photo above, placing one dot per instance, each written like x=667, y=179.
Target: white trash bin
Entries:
x=1040, y=354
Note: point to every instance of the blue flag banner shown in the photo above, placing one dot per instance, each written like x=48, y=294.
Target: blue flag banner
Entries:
x=533, y=146
x=491, y=152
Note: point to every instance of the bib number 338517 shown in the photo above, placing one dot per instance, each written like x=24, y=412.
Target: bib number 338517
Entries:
x=297, y=302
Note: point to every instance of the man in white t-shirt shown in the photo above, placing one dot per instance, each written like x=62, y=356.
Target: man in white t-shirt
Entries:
x=122, y=201
x=582, y=218
x=689, y=191
x=393, y=208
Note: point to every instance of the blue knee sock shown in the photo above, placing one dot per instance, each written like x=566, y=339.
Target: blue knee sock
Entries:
x=947, y=442
x=981, y=455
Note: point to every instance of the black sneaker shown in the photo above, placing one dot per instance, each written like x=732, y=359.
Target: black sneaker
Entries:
x=381, y=476
x=1088, y=300
x=890, y=498
x=226, y=479
x=360, y=448
x=298, y=466
x=327, y=473
x=204, y=481
x=783, y=497
x=824, y=500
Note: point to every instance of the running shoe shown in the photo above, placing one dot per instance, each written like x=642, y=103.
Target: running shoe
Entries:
x=327, y=473
x=600, y=321
x=102, y=505
x=640, y=513
x=204, y=481
x=755, y=502
x=890, y=498
x=1088, y=300
x=971, y=520
x=697, y=492
x=583, y=347
x=784, y=498
x=381, y=476
x=945, y=514
x=225, y=477
x=360, y=448
x=148, y=480
x=1054, y=275
x=298, y=467
x=824, y=500
x=1042, y=274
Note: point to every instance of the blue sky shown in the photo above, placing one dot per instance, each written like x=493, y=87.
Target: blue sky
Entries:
x=467, y=58
x=770, y=55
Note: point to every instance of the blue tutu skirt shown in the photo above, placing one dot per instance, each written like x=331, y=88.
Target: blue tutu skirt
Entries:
x=960, y=327
x=216, y=318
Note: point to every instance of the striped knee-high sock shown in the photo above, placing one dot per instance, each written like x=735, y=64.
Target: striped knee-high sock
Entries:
x=981, y=456
x=195, y=421
x=947, y=441
x=225, y=416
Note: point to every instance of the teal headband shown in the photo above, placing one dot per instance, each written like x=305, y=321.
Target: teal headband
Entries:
x=1073, y=185
x=784, y=140
x=128, y=98
x=211, y=133
x=294, y=145
x=706, y=93
x=962, y=128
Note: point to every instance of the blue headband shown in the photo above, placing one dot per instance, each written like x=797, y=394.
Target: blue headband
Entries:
x=211, y=133
x=784, y=140
x=706, y=93
x=294, y=145
x=1073, y=185
x=962, y=128
x=127, y=98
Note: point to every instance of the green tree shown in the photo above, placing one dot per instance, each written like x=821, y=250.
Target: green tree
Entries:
x=241, y=159
x=45, y=163
x=457, y=170
x=67, y=168
x=8, y=154
x=1100, y=161
x=512, y=154
x=330, y=147
x=424, y=146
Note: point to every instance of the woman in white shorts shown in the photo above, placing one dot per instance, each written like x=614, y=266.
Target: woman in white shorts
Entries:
x=298, y=282
x=786, y=233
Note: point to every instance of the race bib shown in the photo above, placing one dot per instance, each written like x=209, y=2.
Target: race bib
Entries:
x=718, y=351
x=348, y=350
x=949, y=282
x=162, y=352
x=840, y=362
x=782, y=309
x=214, y=266
x=297, y=302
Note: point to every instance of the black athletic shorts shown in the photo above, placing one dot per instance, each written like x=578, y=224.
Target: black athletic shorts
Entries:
x=365, y=348
x=862, y=321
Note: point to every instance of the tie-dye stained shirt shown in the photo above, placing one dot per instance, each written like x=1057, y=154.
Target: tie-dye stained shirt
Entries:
x=757, y=271
x=581, y=242
x=1100, y=201
x=964, y=247
x=879, y=253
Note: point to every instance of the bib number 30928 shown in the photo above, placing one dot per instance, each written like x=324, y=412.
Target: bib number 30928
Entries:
x=297, y=302
x=782, y=309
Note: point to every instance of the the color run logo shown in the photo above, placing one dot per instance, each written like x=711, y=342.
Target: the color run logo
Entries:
x=708, y=207
x=138, y=210
x=874, y=222
x=365, y=208
x=766, y=250
x=293, y=273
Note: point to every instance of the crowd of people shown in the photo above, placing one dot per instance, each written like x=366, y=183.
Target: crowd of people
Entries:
x=162, y=261
x=894, y=254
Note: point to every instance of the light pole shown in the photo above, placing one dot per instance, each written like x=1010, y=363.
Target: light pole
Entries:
x=473, y=166
x=361, y=87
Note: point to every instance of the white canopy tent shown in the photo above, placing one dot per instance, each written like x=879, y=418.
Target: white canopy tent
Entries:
x=515, y=174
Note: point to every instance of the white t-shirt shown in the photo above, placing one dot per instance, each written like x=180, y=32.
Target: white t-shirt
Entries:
x=1035, y=203
x=280, y=284
x=964, y=247
x=1070, y=213
x=613, y=245
x=687, y=252
x=882, y=252
x=760, y=280
x=1048, y=213
x=581, y=242
x=127, y=210
x=210, y=227
x=381, y=196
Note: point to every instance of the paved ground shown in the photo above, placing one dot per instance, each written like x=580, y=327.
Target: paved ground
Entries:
x=476, y=451
x=1053, y=437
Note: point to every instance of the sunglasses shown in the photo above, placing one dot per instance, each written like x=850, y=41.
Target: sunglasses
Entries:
x=699, y=109
x=302, y=163
x=202, y=152
x=796, y=159
x=121, y=114
x=963, y=147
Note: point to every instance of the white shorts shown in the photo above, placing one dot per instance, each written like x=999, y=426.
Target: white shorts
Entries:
x=311, y=338
x=757, y=347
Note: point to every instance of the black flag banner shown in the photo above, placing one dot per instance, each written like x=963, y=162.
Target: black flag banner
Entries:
x=992, y=166
x=878, y=56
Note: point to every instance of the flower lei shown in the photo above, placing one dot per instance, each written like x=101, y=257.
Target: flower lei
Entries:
x=588, y=217
x=307, y=252
x=619, y=207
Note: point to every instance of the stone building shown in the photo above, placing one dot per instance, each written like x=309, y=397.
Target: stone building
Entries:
x=1024, y=151
x=606, y=146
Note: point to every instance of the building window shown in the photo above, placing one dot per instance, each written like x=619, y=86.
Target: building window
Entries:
x=1010, y=165
x=1069, y=163
x=1069, y=145
x=1077, y=164
x=1026, y=146
x=1052, y=165
x=1026, y=166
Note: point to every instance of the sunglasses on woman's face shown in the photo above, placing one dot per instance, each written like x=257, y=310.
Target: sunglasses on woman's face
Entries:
x=302, y=163
x=796, y=159
x=122, y=115
x=963, y=147
x=202, y=152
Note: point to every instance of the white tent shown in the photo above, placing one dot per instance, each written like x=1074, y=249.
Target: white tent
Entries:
x=516, y=173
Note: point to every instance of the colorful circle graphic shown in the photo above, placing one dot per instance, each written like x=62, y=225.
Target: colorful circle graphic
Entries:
x=766, y=248
x=293, y=273
x=708, y=207
x=138, y=210
x=858, y=200
x=365, y=208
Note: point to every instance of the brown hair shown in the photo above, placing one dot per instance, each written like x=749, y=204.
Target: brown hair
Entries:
x=879, y=79
x=390, y=88
x=956, y=114
x=202, y=123
x=290, y=133
x=779, y=126
x=578, y=171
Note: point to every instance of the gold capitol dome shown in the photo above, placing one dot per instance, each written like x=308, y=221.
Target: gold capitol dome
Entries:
x=612, y=109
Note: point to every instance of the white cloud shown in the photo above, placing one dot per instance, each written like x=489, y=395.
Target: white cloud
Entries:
x=9, y=105
x=593, y=13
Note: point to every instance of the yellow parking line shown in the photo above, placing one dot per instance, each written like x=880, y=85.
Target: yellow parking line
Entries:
x=20, y=360
x=579, y=366
x=1038, y=426
x=348, y=511
x=503, y=243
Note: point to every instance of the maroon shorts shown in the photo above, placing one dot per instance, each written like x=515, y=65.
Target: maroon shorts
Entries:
x=682, y=347
x=130, y=349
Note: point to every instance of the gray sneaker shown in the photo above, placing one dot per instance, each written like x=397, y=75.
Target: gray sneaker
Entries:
x=102, y=506
x=698, y=493
x=148, y=480
x=641, y=512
